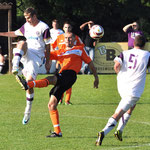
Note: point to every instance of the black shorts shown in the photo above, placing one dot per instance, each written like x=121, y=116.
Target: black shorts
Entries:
x=65, y=80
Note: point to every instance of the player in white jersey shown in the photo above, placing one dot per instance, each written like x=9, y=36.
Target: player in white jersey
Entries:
x=131, y=68
x=31, y=52
x=54, y=32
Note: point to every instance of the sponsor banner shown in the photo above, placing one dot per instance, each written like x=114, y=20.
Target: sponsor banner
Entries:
x=106, y=52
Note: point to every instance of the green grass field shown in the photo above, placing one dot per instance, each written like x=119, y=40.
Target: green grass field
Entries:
x=79, y=123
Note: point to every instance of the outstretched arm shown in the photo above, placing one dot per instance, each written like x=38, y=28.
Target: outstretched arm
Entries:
x=8, y=34
x=96, y=82
x=84, y=24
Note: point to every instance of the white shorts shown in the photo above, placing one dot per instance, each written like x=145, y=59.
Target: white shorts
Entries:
x=32, y=63
x=126, y=103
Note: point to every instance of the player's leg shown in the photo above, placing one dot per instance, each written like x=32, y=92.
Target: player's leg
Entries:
x=18, y=52
x=61, y=100
x=65, y=80
x=31, y=66
x=29, y=100
x=54, y=116
x=68, y=96
x=91, y=54
x=122, y=123
x=123, y=107
x=109, y=126
x=50, y=80
x=2, y=61
x=57, y=66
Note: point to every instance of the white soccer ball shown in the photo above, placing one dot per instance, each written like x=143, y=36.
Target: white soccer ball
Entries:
x=96, y=32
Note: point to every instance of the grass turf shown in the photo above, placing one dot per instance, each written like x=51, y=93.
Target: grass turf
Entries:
x=79, y=123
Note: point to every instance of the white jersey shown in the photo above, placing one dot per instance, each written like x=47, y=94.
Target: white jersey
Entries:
x=36, y=37
x=132, y=75
x=54, y=33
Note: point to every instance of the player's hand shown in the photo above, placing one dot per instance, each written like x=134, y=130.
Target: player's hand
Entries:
x=90, y=22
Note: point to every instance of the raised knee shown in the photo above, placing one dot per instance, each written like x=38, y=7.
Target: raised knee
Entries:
x=49, y=106
x=22, y=45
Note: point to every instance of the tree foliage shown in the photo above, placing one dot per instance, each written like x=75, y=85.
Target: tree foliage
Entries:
x=113, y=15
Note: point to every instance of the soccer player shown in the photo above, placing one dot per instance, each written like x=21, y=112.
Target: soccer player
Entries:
x=131, y=68
x=71, y=59
x=54, y=32
x=30, y=52
x=60, y=43
x=89, y=44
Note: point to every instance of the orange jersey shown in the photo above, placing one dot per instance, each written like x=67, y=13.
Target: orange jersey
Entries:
x=60, y=42
x=71, y=59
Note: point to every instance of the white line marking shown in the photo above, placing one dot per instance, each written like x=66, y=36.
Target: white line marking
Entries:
x=104, y=118
x=127, y=147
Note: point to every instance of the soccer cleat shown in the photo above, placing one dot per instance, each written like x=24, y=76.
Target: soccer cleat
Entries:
x=22, y=82
x=118, y=135
x=100, y=138
x=26, y=118
x=15, y=70
x=54, y=134
x=68, y=103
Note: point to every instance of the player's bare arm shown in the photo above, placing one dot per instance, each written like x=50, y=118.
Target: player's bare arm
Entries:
x=126, y=27
x=8, y=34
x=47, y=56
x=96, y=82
x=117, y=66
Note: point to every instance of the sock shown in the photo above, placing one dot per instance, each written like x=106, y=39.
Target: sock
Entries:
x=68, y=95
x=110, y=125
x=55, y=120
x=29, y=100
x=123, y=121
x=1, y=66
x=18, y=53
x=38, y=83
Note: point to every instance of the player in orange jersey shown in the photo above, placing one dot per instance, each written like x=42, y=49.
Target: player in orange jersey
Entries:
x=59, y=43
x=71, y=59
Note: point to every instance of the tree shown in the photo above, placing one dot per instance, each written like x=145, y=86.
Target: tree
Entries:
x=111, y=14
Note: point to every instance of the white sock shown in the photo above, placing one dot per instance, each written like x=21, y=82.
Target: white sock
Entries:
x=1, y=66
x=110, y=125
x=29, y=100
x=123, y=121
x=18, y=53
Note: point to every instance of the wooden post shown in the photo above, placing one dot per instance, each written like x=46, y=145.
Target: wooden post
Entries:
x=8, y=7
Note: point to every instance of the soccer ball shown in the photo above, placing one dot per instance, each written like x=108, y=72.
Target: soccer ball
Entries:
x=96, y=32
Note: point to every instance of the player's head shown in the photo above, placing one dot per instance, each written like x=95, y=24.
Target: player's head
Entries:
x=139, y=41
x=135, y=26
x=30, y=16
x=55, y=24
x=69, y=39
x=67, y=27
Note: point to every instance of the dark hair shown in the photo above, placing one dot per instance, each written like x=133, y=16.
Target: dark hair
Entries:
x=67, y=22
x=30, y=11
x=139, y=41
x=55, y=20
